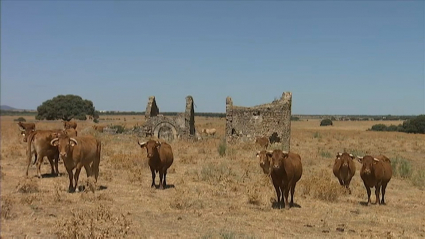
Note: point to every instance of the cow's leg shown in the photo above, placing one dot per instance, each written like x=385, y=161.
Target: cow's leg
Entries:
x=384, y=186
x=341, y=182
x=165, y=179
x=153, y=178
x=377, y=191
x=71, y=188
x=292, y=194
x=278, y=193
x=55, y=171
x=368, y=194
x=286, y=186
x=88, y=170
x=161, y=177
x=347, y=185
x=39, y=162
x=77, y=174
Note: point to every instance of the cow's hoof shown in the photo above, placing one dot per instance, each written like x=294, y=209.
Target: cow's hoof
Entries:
x=71, y=190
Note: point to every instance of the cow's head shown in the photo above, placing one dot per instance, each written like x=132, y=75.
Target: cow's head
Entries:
x=277, y=159
x=264, y=158
x=151, y=147
x=368, y=163
x=64, y=144
x=25, y=133
x=345, y=158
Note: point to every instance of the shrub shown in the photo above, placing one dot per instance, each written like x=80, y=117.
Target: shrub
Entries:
x=379, y=127
x=119, y=129
x=20, y=119
x=294, y=118
x=401, y=167
x=326, y=122
x=415, y=125
x=222, y=147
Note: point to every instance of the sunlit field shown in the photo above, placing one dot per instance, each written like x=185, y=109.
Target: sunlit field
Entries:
x=212, y=195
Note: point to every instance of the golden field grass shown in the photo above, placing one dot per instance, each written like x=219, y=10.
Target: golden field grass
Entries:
x=213, y=196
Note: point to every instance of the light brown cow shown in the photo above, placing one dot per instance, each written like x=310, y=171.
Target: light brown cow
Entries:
x=99, y=128
x=344, y=169
x=375, y=172
x=26, y=126
x=262, y=141
x=160, y=158
x=285, y=169
x=78, y=152
x=38, y=143
x=69, y=124
x=209, y=132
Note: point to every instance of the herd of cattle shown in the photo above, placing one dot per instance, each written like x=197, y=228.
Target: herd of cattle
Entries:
x=284, y=168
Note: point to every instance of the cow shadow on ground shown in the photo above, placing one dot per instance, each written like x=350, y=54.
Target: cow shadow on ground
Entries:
x=49, y=175
x=166, y=187
x=101, y=187
x=276, y=205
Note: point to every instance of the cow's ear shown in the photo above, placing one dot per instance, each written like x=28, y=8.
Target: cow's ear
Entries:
x=338, y=155
x=360, y=159
x=269, y=153
x=258, y=154
x=351, y=156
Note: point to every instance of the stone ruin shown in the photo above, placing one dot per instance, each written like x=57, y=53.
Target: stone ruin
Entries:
x=169, y=128
x=272, y=120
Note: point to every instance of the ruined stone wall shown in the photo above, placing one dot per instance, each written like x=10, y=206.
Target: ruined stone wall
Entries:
x=169, y=127
x=260, y=120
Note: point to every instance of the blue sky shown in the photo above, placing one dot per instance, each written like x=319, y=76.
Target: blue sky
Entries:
x=336, y=57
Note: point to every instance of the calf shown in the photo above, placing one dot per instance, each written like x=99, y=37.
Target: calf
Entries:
x=344, y=169
x=160, y=157
x=99, y=128
x=375, y=172
x=209, y=132
x=78, y=152
x=285, y=170
x=262, y=141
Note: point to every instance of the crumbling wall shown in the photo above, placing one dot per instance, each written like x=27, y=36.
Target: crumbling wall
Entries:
x=261, y=120
x=169, y=127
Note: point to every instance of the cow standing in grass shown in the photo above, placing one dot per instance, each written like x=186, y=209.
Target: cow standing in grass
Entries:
x=344, y=169
x=285, y=170
x=263, y=142
x=78, y=152
x=160, y=158
x=375, y=172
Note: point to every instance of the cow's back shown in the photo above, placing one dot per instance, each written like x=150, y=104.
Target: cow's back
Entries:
x=166, y=155
x=386, y=164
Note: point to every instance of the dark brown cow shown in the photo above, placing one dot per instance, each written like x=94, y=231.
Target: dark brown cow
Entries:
x=375, y=172
x=262, y=141
x=160, y=158
x=78, y=152
x=285, y=170
x=38, y=143
x=69, y=124
x=344, y=169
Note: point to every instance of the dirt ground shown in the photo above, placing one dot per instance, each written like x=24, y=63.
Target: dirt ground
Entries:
x=214, y=196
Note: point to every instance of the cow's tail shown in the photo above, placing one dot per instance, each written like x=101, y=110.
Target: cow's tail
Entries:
x=96, y=161
x=30, y=139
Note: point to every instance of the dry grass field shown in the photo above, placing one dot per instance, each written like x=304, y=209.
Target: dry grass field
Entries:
x=214, y=196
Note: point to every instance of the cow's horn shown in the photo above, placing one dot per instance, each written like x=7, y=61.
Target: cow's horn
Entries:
x=269, y=151
x=284, y=152
x=351, y=155
x=73, y=140
x=53, y=141
x=258, y=153
x=359, y=157
x=141, y=144
x=377, y=160
x=339, y=153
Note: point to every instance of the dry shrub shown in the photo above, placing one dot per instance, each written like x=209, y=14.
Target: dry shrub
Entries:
x=321, y=185
x=184, y=199
x=215, y=173
x=188, y=159
x=28, y=186
x=124, y=161
x=93, y=223
x=6, y=207
x=29, y=199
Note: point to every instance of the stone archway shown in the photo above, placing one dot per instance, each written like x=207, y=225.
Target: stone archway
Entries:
x=166, y=131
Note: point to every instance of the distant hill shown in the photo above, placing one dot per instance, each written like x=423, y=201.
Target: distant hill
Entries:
x=6, y=107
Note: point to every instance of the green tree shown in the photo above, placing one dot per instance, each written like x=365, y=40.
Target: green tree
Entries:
x=326, y=122
x=65, y=107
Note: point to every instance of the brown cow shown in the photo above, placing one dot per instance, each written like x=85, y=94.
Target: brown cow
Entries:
x=69, y=124
x=38, y=143
x=285, y=170
x=99, y=127
x=262, y=141
x=160, y=157
x=344, y=169
x=78, y=152
x=375, y=172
